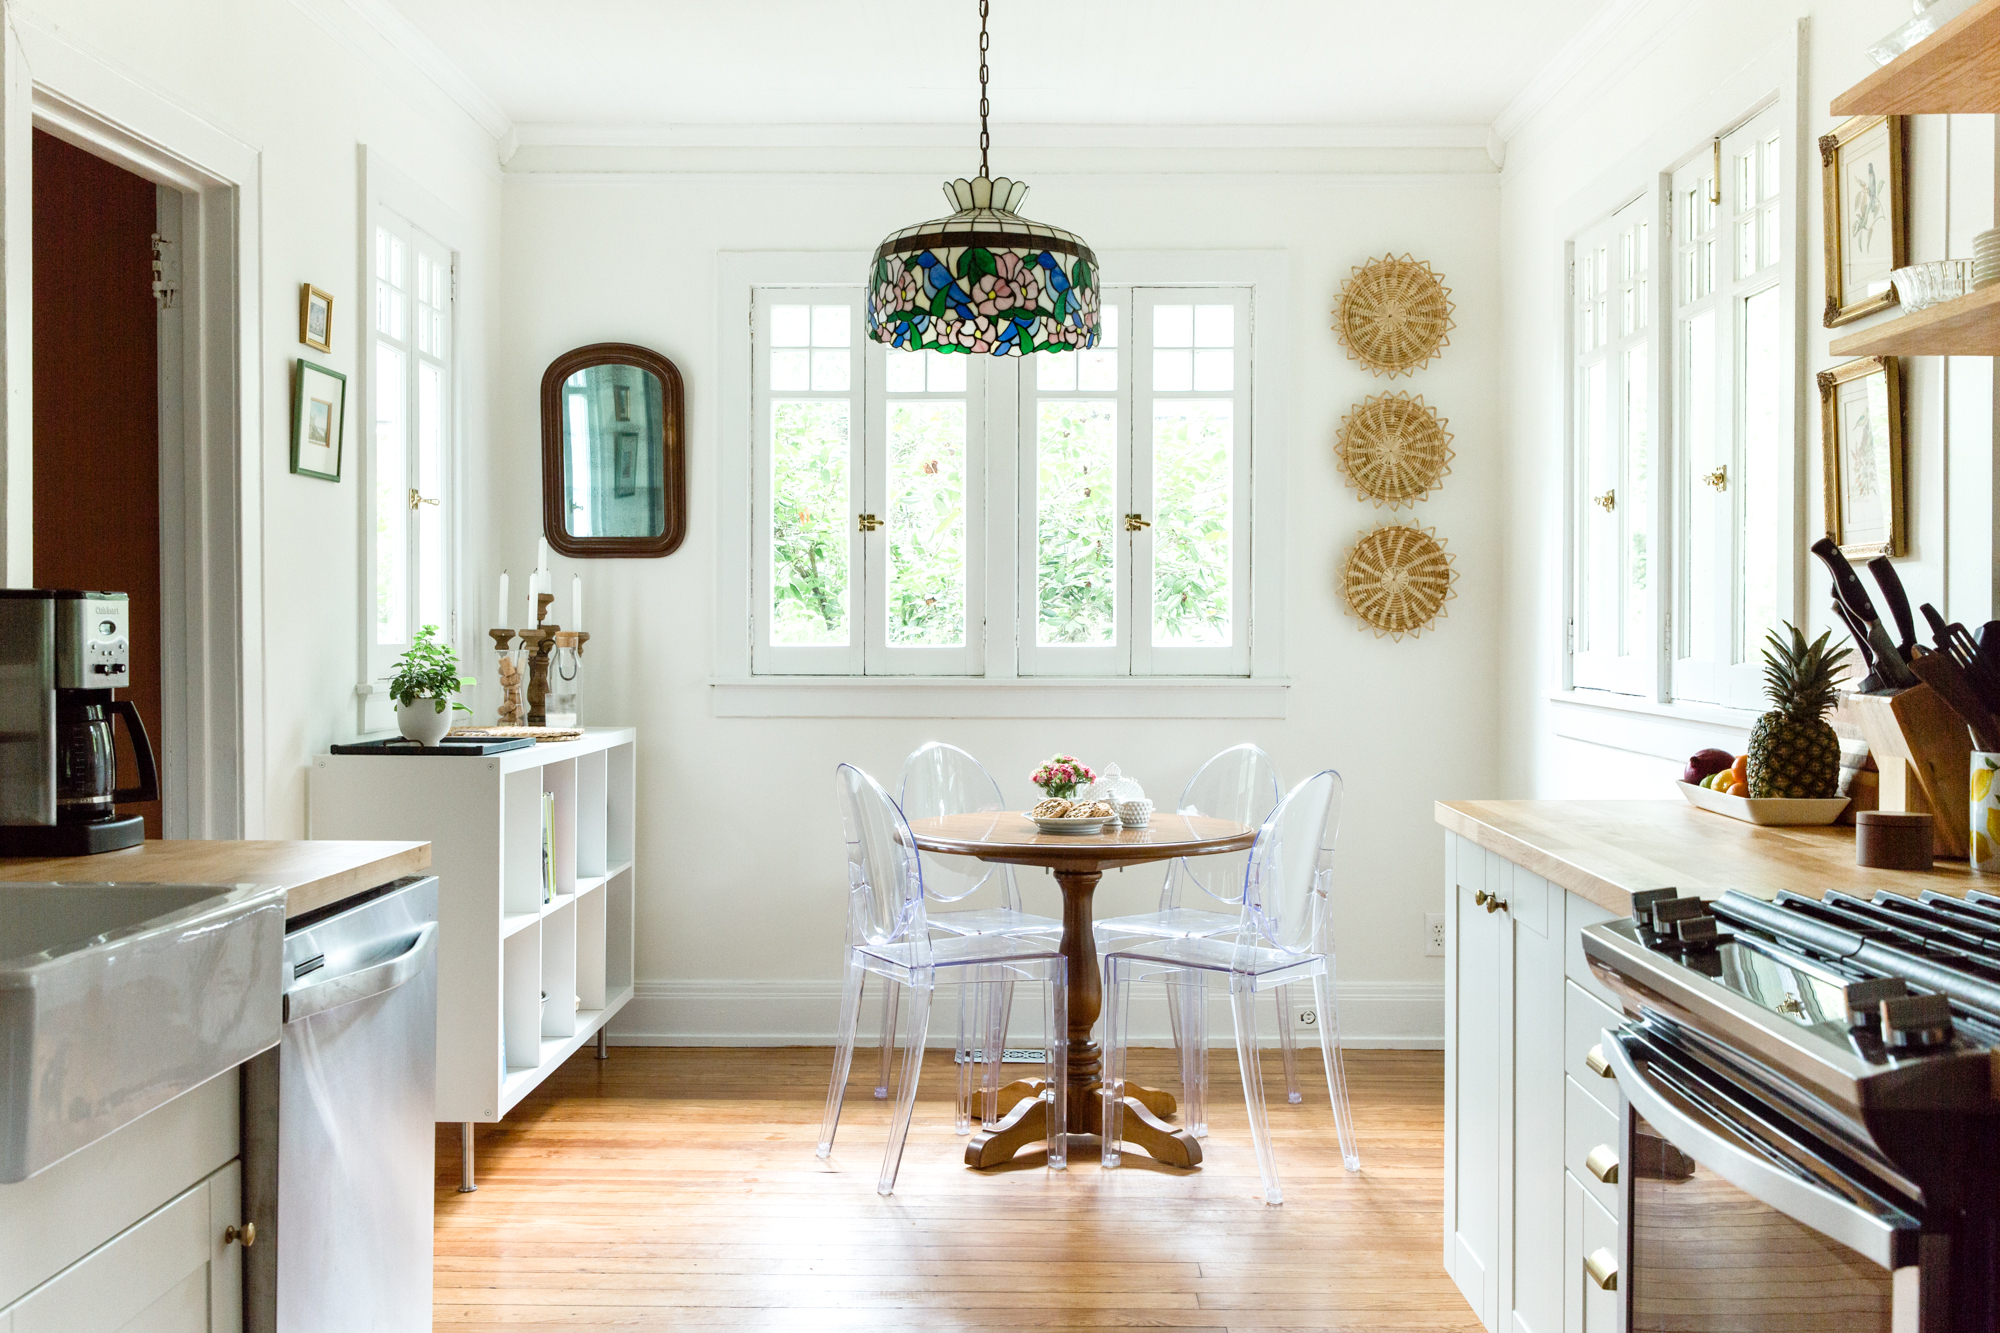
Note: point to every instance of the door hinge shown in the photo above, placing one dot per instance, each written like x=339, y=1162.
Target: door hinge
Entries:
x=166, y=273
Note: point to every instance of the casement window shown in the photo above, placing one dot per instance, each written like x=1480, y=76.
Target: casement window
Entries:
x=409, y=429
x=1682, y=312
x=1099, y=501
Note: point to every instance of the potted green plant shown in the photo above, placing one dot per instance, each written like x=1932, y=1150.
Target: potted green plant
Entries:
x=425, y=679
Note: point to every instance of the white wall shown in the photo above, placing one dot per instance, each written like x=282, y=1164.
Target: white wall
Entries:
x=740, y=900
x=1667, y=57
x=305, y=84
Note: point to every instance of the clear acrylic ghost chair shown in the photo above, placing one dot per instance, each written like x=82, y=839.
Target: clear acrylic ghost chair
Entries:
x=889, y=936
x=1285, y=935
x=940, y=779
x=1239, y=784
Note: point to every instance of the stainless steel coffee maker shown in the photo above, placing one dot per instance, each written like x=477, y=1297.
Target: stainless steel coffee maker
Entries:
x=62, y=654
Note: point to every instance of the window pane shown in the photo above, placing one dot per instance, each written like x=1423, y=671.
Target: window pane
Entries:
x=1173, y=371
x=1097, y=370
x=1597, y=584
x=1703, y=532
x=1763, y=455
x=396, y=263
x=831, y=324
x=1636, y=502
x=1769, y=153
x=1215, y=372
x=1107, y=326
x=1055, y=372
x=578, y=405
x=945, y=372
x=1075, y=542
x=791, y=326
x=430, y=485
x=809, y=489
x=829, y=370
x=1191, y=499
x=927, y=523
x=905, y=372
x=1215, y=326
x=791, y=370
x=1173, y=326
x=392, y=498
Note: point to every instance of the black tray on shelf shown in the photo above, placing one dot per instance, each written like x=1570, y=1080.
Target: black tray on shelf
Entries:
x=444, y=748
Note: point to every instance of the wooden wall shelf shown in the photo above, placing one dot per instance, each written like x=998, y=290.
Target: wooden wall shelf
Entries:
x=1955, y=69
x=1968, y=326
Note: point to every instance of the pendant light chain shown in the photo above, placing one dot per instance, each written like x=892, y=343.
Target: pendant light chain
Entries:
x=985, y=139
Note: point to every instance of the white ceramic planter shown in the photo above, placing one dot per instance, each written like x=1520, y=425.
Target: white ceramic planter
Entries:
x=423, y=723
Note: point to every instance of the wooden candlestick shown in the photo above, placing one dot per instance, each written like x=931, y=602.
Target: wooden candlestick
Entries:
x=540, y=641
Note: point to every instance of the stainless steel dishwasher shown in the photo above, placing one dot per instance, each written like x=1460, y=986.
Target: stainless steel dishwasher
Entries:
x=338, y=1137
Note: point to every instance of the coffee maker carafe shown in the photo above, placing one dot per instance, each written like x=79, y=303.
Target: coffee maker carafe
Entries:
x=62, y=654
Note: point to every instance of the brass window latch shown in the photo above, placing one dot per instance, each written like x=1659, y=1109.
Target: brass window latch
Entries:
x=1719, y=478
x=868, y=523
x=417, y=497
x=1133, y=523
x=1607, y=501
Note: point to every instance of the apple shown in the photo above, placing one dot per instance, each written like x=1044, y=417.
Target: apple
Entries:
x=1705, y=762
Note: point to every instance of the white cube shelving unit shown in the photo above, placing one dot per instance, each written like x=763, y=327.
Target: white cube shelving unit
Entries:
x=500, y=947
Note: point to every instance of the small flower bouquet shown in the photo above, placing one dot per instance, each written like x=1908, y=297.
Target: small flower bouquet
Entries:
x=1062, y=774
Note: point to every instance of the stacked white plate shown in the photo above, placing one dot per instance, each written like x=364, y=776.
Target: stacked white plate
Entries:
x=1986, y=259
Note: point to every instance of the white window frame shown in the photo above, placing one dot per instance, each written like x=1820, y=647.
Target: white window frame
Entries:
x=1654, y=721
x=389, y=193
x=1000, y=687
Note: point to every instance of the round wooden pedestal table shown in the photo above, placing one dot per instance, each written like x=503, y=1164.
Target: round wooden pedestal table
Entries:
x=1078, y=862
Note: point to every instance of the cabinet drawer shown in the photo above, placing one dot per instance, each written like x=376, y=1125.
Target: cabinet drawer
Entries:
x=1590, y=1145
x=1578, y=913
x=1596, y=1254
x=1585, y=1019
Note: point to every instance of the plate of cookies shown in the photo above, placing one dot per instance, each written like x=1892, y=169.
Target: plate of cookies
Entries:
x=1057, y=815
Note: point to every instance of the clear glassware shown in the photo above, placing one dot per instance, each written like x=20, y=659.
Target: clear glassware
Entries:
x=565, y=671
x=1241, y=785
x=940, y=779
x=1284, y=934
x=510, y=669
x=889, y=936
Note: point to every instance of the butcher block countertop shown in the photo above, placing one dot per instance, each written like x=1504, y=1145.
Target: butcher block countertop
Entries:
x=315, y=874
x=1606, y=851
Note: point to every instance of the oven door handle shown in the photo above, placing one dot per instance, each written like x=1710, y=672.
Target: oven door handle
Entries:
x=363, y=982
x=1869, y=1233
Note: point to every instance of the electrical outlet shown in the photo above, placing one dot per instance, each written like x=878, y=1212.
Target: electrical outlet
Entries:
x=1433, y=934
x=1307, y=1018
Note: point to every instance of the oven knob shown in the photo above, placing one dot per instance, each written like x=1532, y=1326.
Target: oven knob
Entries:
x=1916, y=1022
x=1864, y=1000
x=1667, y=914
x=1698, y=930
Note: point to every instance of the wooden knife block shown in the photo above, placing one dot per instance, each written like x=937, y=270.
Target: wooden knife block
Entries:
x=1925, y=756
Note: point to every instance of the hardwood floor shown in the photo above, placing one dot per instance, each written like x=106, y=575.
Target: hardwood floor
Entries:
x=677, y=1189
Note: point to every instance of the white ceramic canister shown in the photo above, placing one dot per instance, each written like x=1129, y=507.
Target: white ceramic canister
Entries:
x=1986, y=811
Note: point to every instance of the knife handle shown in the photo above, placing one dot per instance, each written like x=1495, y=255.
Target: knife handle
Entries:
x=1846, y=584
x=1891, y=585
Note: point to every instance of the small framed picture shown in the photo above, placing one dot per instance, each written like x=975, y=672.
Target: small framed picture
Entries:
x=1861, y=438
x=625, y=464
x=319, y=415
x=621, y=402
x=1867, y=212
x=315, y=318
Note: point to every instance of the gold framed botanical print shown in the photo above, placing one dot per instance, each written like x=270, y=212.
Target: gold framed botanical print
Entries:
x=315, y=318
x=1861, y=441
x=1867, y=208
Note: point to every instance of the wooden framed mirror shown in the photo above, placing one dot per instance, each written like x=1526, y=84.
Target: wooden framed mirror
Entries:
x=614, y=459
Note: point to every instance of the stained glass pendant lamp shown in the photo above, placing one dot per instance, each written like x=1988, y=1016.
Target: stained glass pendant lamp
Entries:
x=984, y=280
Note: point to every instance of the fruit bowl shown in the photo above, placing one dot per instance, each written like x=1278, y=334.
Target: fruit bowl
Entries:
x=1770, y=811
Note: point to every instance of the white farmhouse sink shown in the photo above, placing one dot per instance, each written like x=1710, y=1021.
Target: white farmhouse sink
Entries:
x=115, y=998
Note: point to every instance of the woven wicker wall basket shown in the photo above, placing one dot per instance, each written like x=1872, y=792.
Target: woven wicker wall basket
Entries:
x=1394, y=315
x=1393, y=449
x=1397, y=579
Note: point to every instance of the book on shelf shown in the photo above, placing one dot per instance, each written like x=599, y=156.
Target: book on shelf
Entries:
x=548, y=847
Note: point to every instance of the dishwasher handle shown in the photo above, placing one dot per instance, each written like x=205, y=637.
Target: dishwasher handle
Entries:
x=363, y=982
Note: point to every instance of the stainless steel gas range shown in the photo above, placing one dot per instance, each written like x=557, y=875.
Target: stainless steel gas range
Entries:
x=1811, y=1111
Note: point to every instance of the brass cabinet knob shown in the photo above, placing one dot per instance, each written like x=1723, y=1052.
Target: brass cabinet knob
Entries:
x=1602, y=1268
x=1597, y=1063
x=1133, y=523
x=1481, y=898
x=1607, y=501
x=247, y=1233
x=1718, y=479
x=1602, y=1163
x=1494, y=904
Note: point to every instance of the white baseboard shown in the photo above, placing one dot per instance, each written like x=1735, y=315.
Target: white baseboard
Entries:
x=1393, y=1015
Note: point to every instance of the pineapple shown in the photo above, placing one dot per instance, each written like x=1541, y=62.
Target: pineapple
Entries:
x=1793, y=752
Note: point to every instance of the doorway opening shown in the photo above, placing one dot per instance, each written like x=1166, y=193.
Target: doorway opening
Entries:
x=97, y=407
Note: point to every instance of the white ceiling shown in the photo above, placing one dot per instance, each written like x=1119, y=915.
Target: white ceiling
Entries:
x=608, y=63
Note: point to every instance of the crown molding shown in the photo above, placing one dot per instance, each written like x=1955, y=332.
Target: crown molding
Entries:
x=408, y=40
x=1570, y=60
x=549, y=134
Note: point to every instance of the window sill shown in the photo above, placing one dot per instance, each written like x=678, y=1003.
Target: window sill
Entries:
x=1648, y=727
x=1040, y=696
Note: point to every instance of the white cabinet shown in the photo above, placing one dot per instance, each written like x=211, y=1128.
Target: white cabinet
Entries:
x=126, y=1236
x=524, y=979
x=1504, y=1043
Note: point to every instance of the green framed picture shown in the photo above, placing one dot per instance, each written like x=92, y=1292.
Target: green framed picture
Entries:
x=319, y=419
